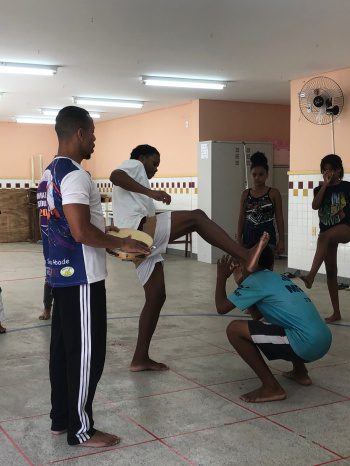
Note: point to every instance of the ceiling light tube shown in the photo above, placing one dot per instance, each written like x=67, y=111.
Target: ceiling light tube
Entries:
x=27, y=68
x=107, y=102
x=182, y=82
x=54, y=113
x=36, y=120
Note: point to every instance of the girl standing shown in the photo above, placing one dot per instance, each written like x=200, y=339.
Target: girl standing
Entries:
x=261, y=208
x=332, y=200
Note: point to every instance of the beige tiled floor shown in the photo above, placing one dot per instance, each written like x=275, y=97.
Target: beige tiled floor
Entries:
x=189, y=415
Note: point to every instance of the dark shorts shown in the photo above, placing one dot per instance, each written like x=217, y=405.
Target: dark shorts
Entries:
x=272, y=341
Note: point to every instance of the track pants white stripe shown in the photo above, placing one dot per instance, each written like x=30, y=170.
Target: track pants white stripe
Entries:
x=85, y=361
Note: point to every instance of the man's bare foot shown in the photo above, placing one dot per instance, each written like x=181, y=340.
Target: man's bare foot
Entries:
x=148, y=365
x=100, y=440
x=307, y=281
x=58, y=432
x=2, y=329
x=333, y=318
x=46, y=314
x=264, y=394
x=301, y=378
x=255, y=252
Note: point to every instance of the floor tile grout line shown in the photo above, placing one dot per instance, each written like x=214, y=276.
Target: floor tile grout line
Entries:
x=204, y=429
x=332, y=461
x=99, y=451
x=304, y=437
x=305, y=408
x=34, y=416
x=121, y=413
x=21, y=279
x=218, y=394
x=15, y=446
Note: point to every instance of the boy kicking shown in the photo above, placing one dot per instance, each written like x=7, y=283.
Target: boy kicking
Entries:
x=133, y=207
x=293, y=329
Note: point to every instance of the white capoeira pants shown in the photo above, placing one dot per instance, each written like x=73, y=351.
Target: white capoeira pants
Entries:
x=161, y=235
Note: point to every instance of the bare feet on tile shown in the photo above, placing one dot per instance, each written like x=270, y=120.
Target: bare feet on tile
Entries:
x=264, y=394
x=300, y=378
x=100, y=440
x=307, y=281
x=333, y=318
x=148, y=365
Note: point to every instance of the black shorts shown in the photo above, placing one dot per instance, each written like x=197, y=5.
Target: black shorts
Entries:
x=272, y=341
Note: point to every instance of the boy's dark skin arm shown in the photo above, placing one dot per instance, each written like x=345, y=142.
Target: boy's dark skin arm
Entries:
x=122, y=179
x=225, y=268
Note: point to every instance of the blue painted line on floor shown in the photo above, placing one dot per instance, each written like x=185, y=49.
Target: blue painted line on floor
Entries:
x=34, y=327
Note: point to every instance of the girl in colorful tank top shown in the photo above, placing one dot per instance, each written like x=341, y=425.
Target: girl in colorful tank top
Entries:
x=261, y=208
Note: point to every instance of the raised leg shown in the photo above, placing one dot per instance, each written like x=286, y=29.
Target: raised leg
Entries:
x=335, y=235
x=188, y=221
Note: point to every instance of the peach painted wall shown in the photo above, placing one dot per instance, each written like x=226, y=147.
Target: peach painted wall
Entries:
x=173, y=131
x=244, y=121
x=18, y=142
x=310, y=142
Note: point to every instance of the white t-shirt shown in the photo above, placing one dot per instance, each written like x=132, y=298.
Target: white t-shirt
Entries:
x=128, y=207
x=69, y=263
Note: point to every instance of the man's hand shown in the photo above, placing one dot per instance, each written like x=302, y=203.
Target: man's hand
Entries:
x=132, y=245
x=160, y=196
x=224, y=267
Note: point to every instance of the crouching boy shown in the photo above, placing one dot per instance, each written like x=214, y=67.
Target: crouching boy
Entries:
x=292, y=328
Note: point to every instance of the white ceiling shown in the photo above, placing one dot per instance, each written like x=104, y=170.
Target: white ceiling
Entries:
x=104, y=46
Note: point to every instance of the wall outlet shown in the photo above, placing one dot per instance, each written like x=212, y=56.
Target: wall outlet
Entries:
x=313, y=231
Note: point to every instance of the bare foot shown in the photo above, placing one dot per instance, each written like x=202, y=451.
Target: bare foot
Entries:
x=333, y=318
x=255, y=252
x=2, y=329
x=307, y=281
x=46, y=314
x=100, y=440
x=263, y=394
x=300, y=378
x=148, y=365
x=58, y=432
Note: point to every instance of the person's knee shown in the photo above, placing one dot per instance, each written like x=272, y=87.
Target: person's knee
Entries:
x=233, y=330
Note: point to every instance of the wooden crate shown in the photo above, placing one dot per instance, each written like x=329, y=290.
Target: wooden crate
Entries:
x=15, y=215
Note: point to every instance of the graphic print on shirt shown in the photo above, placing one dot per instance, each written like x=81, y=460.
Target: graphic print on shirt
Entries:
x=63, y=255
x=259, y=209
x=332, y=210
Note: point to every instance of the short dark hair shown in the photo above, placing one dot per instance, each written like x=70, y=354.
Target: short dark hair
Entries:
x=143, y=149
x=266, y=259
x=334, y=161
x=259, y=159
x=70, y=119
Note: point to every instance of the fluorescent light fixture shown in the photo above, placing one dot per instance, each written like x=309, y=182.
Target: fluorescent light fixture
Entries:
x=27, y=68
x=53, y=113
x=182, y=82
x=107, y=102
x=36, y=120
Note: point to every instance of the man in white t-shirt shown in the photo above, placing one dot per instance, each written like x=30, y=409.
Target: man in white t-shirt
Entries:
x=133, y=207
x=74, y=243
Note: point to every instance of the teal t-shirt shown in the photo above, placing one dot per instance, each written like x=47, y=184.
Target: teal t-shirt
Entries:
x=283, y=303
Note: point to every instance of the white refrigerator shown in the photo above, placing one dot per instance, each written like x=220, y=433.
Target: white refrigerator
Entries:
x=223, y=172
